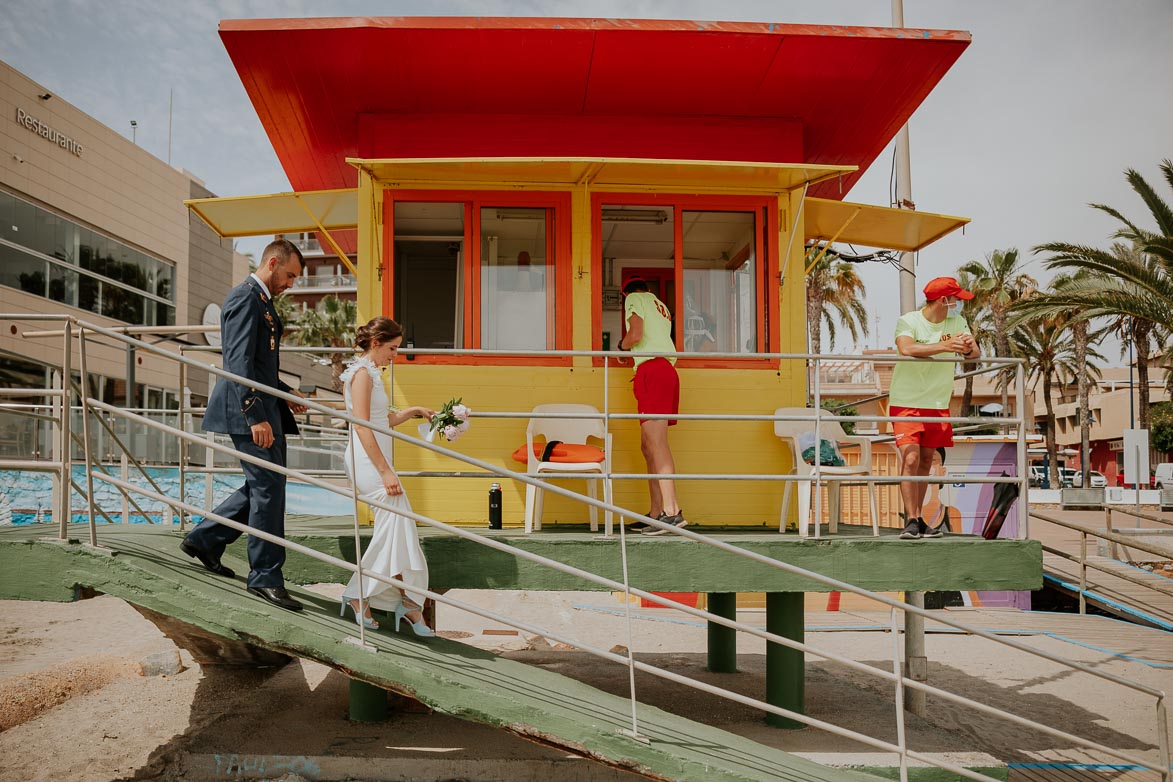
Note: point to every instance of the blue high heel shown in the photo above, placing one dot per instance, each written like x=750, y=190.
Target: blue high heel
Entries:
x=419, y=628
x=365, y=621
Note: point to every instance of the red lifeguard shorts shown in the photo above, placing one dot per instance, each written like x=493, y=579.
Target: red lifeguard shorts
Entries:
x=657, y=388
x=922, y=433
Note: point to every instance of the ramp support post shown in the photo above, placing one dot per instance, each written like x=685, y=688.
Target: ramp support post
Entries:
x=368, y=703
x=916, y=666
x=785, y=673
x=722, y=640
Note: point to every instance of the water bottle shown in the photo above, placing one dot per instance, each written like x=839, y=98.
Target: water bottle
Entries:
x=495, y=506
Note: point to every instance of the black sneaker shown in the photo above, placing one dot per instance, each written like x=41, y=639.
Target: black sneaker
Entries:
x=929, y=532
x=912, y=530
x=637, y=527
x=676, y=520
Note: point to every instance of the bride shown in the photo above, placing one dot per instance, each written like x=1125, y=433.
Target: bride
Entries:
x=394, y=550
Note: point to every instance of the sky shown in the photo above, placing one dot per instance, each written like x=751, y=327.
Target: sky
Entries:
x=1040, y=116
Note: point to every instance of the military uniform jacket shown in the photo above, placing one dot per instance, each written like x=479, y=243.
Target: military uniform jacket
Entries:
x=250, y=340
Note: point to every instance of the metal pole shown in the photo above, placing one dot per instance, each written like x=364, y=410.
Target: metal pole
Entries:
x=1021, y=458
x=125, y=475
x=1082, y=572
x=916, y=664
x=817, y=489
x=131, y=380
x=64, y=507
x=904, y=194
x=899, y=699
x=85, y=435
x=182, y=426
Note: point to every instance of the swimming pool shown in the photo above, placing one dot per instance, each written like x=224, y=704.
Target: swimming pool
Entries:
x=24, y=495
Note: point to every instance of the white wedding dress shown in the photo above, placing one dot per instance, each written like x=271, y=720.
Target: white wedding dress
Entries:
x=394, y=550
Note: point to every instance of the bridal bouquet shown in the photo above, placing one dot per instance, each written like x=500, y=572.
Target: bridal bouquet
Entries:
x=450, y=422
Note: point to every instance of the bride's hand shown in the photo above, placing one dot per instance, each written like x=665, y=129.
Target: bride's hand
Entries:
x=424, y=412
x=391, y=483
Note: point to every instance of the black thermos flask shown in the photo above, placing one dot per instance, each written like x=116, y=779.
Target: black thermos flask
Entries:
x=495, y=506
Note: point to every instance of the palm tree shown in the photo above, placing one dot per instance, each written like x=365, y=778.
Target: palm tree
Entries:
x=287, y=310
x=1143, y=335
x=833, y=288
x=997, y=283
x=1051, y=358
x=1137, y=285
x=330, y=324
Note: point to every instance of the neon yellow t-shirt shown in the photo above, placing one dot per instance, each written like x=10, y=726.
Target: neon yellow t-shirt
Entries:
x=657, y=335
x=926, y=383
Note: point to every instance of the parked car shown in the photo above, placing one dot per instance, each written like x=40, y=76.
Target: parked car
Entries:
x=1037, y=475
x=1067, y=477
x=1096, y=479
x=1163, y=477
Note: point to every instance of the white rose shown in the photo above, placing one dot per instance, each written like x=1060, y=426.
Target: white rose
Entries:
x=463, y=426
x=451, y=433
x=460, y=411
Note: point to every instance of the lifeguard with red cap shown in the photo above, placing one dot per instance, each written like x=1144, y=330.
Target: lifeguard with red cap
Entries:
x=657, y=392
x=923, y=389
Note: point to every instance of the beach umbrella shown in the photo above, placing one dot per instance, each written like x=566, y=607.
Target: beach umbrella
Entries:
x=1004, y=496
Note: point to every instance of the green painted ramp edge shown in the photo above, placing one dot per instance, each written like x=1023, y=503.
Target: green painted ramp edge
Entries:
x=147, y=569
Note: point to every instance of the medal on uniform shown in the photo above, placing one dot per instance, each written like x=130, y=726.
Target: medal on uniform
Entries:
x=272, y=342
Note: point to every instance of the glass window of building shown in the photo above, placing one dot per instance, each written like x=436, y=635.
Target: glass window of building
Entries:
x=517, y=279
x=47, y=255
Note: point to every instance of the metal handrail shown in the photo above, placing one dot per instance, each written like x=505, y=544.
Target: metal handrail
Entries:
x=1135, y=513
x=1112, y=537
x=652, y=597
x=900, y=749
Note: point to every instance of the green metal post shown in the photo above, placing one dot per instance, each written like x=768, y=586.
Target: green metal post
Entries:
x=368, y=703
x=785, y=674
x=723, y=640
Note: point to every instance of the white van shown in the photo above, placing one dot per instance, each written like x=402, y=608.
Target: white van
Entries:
x=1164, y=476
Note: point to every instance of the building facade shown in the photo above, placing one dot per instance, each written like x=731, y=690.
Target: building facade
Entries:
x=94, y=226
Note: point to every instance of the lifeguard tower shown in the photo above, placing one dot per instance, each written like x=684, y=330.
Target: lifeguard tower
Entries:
x=498, y=177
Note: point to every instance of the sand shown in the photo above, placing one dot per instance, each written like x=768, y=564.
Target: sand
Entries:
x=75, y=705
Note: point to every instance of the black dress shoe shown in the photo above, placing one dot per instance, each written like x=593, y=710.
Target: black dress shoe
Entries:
x=277, y=596
x=206, y=559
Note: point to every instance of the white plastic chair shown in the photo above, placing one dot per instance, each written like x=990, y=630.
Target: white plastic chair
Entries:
x=790, y=432
x=574, y=431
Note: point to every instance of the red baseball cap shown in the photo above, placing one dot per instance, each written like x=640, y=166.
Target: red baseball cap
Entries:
x=941, y=287
x=629, y=278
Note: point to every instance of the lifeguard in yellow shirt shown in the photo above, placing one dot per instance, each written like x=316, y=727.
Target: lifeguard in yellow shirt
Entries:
x=923, y=389
x=657, y=392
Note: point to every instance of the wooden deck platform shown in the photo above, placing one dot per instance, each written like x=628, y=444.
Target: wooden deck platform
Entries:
x=1113, y=586
x=143, y=566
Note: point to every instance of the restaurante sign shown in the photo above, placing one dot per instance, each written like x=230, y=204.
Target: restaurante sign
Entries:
x=47, y=133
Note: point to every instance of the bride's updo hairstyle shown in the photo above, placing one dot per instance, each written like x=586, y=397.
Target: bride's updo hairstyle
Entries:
x=379, y=330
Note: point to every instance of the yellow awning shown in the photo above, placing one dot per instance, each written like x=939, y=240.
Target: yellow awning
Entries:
x=279, y=213
x=875, y=226
x=597, y=173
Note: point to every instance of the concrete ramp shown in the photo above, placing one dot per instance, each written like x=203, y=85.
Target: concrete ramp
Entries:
x=144, y=567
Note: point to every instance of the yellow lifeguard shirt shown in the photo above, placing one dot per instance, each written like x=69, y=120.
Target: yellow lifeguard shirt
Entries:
x=657, y=335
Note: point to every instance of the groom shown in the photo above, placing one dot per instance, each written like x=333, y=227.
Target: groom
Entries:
x=258, y=424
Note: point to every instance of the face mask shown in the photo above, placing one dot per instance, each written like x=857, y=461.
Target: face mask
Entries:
x=955, y=308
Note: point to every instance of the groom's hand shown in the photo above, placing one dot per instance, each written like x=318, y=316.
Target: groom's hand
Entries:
x=262, y=434
x=297, y=409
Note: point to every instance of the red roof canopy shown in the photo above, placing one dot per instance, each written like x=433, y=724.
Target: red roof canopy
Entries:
x=326, y=89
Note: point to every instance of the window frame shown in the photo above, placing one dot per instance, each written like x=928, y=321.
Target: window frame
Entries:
x=765, y=210
x=559, y=247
